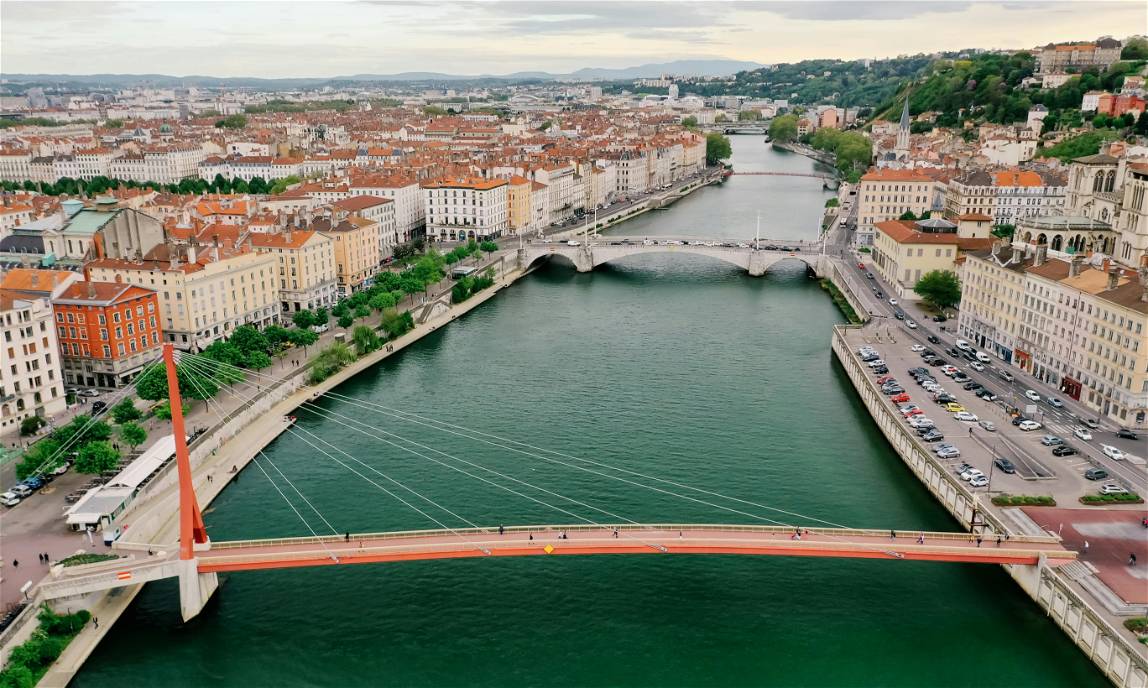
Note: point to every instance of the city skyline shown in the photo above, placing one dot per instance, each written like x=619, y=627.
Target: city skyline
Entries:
x=327, y=39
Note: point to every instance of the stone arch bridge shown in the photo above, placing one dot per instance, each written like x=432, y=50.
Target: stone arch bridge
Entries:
x=755, y=261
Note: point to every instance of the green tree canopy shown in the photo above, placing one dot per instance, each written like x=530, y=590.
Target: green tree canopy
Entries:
x=231, y=122
x=690, y=122
x=133, y=435
x=783, y=128
x=125, y=412
x=941, y=288
x=365, y=340
x=717, y=148
x=97, y=457
x=303, y=319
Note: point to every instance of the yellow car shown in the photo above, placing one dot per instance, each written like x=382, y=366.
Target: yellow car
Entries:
x=954, y=408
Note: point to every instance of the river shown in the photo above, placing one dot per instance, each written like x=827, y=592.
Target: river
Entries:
x=675, y=366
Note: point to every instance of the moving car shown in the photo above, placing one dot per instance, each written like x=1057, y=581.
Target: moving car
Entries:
x=1091, y=423
x=962, y=344
x=892, y=302
x=1055, y=403
x=1063, y=450
x=932, y=339
x=1004, y=464
x=966, y=417
x=1112, y=452
x=1127, y=434
x=1029, y=425
x=1096, y=474
x=1006, y=376
x=977, y=366
x=987, y=425
x=1082, y=434
x=986, y=394
x=1031, y=395
x=89, y=392
x=910, y=324
x=983, y=357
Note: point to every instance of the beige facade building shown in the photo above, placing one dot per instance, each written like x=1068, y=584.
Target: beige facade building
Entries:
x=31, y=382
x=204, y=292
x=356, y=249
x=1078, y=325
x=307, y=275
x=903, y=251
x=518, y=203
x=887, y=194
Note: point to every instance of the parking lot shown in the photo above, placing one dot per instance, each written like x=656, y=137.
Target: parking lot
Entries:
x=1031, y=467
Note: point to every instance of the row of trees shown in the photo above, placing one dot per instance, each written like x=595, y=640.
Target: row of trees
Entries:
x=92, y=444
x=852, y=150
x=30, y=660
x=99, y=185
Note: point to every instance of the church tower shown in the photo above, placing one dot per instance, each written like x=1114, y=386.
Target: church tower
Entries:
x=903, y=132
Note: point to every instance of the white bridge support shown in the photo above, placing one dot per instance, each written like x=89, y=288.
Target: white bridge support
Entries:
x=756, y=262
x=195, y=588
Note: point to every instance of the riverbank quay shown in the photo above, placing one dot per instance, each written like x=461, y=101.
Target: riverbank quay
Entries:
x=1059, y=590
x=807, y=151
x=218, y=458
x=220, y=453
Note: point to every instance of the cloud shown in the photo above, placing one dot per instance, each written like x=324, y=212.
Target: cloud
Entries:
x=560, y=17
x=851, y=10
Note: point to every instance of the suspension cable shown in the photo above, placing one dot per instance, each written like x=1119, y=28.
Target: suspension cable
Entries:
x=319, y=410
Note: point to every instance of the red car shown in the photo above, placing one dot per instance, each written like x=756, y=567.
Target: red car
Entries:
x=886, y=378
x=912, y=412
x=901, y=398
x=861, y=265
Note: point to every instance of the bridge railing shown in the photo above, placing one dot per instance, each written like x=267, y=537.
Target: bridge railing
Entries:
x=626, y=527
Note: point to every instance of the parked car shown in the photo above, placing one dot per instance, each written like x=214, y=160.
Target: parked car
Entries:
x=949, y=453
x=917, y=348
x=1112, y=488
x=960, y=377
x=320, y=329
x=99, y=407
x=1031, y=395
x=932, y=435
x=970, y=473
x=876, y=362
x=886, y=378
x=1096, y=474
x=1112, y=452
x=10, y=499
x=1004, y=464
x=986, y=394
x=1051, y=440
x=921, y=422
x=978, y=481
x=881, y=369
x=954, y=407
x=34, y=482
x=900, y=398
x=962, y=344
x=1029, y=425
x=946, y=399
x=1063, y=450
x=939, y=318
x=89, y=392
x=1083, y=434
x=983, y=357
x=1127, y=434
x=971, y=385
x=966, y=417
x=987, y=425
x=21, y=489
x=892, y=302
x=942, y=447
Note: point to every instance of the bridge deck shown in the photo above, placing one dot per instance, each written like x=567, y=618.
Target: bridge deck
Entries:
x=582, y=540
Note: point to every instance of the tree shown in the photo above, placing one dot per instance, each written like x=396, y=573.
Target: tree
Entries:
x=31, y=424
x=383, y=301
x=321, y=316
x=1142, y=124
x=133, y=435
x=303, y=319
x=276, y=336
x=908, y=215
x=1135, y=49
x=346, y=321
x=365, y=340
x=749, y=116
x=257, y=360
x=231, y=122
x=44, y=456
x=690, y=122
x=281, y=185
x=97, y=457
x=248, y=339
x=303, y=338
x=717, y=148
x=940, y=288
x=125, y=412
x=783, y=128
x=433, y=111
x=1004, y=231
x=489, y=246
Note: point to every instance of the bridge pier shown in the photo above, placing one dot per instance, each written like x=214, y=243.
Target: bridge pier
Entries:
x=195, y=588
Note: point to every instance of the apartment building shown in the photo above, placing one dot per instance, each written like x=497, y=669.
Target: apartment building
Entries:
x=163, y=164
x=380, y=211
x=404, y=191
x=31, y=382
x=307, y=274
x=887, y=194
x=1006, y=195
x=468, y=208
x=108, y=332
x=1099, y=55
x=1074, y=323
x=903, y=251
x=519, y=217
x=205, y=292
x=357, y=249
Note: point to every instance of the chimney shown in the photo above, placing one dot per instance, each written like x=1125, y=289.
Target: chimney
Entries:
x=1041, y=254
x=1114, y=279
x=1074, y=265
x=35, y=278
x=1017, y=254
x=192, y=249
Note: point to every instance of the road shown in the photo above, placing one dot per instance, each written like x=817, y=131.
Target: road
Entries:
x=1061, y=422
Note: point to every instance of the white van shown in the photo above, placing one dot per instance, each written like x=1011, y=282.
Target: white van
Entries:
x=573, y=243
x=983, y=357
x=963, y=345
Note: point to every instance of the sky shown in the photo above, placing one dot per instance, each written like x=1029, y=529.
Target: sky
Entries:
x=284, y=38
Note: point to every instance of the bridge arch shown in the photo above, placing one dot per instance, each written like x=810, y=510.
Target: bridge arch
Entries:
x=586, y=258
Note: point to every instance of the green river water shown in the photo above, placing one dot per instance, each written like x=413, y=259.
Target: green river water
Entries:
x=675, y=366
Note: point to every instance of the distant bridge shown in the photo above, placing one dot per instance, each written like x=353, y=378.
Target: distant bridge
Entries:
x=600, y=250
x=826, y=177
